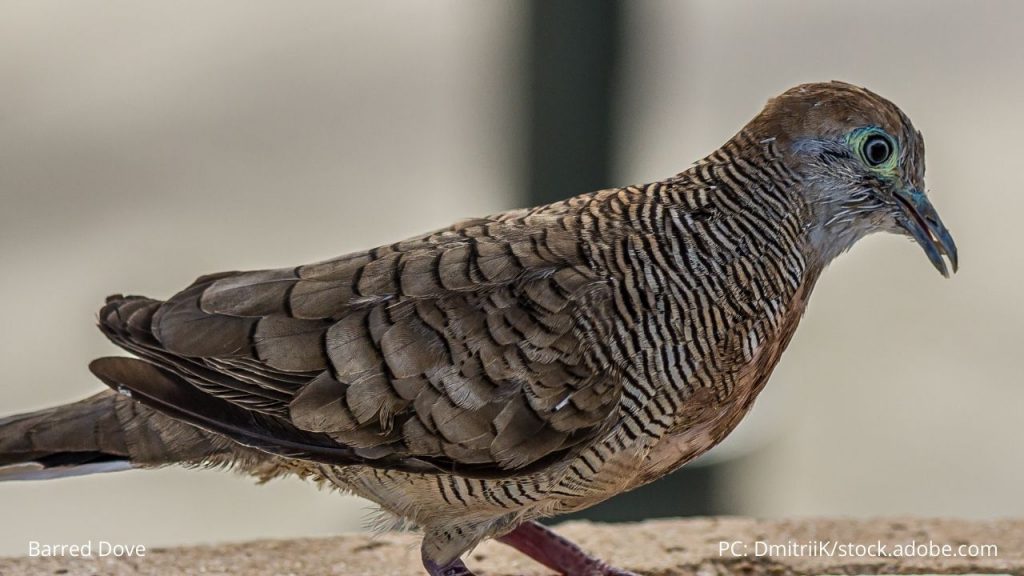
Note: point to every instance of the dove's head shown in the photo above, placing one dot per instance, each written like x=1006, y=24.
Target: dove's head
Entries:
x=861, y=164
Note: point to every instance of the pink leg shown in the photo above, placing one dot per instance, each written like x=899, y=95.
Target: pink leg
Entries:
x=556, y=552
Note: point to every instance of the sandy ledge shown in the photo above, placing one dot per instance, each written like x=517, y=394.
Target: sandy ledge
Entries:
x=654, y=548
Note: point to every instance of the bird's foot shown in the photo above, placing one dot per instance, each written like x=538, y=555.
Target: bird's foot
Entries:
x=556, y=552
x=454, y=568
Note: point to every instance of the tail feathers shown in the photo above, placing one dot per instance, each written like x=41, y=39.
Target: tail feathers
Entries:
x=43, y=470
x=79, y=438
x=111, y=432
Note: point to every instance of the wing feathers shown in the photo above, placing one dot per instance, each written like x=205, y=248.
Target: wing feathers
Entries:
x=169, y=394
x=291, y=344
x=460, y=348
x=184, y=329
x=249, y=294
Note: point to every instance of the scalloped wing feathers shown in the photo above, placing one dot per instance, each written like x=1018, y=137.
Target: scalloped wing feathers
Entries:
x=459, y=348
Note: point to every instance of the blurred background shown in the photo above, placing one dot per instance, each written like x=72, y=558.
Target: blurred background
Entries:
x=144, y=144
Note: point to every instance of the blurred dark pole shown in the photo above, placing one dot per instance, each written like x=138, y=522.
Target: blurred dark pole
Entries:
x=575, y=47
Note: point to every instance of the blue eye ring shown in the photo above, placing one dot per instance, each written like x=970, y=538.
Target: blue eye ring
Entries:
x=875, y=148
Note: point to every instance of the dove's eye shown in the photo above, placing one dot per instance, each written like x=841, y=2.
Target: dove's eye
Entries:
x=875, y=148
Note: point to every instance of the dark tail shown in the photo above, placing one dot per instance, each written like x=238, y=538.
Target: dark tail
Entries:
x=113, y=431
x=107, y=432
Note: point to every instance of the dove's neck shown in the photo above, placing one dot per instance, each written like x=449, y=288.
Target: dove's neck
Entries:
x=834, y=223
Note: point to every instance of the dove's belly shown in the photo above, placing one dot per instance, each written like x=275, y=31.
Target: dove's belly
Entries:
x=708, y=423
x=702, y=422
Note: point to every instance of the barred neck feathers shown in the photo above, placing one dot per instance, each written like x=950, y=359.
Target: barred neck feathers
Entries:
x=748, y=204
x=703, y=267
x=750, y=179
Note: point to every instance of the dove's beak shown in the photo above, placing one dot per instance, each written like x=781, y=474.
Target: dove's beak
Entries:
x=920, y=219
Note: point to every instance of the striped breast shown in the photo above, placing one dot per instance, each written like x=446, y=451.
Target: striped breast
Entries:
x=709, y=279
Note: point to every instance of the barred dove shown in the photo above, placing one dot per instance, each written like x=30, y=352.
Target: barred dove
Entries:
x=513, y=367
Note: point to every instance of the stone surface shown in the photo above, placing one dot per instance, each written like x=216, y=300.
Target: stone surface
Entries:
x=662, y=548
